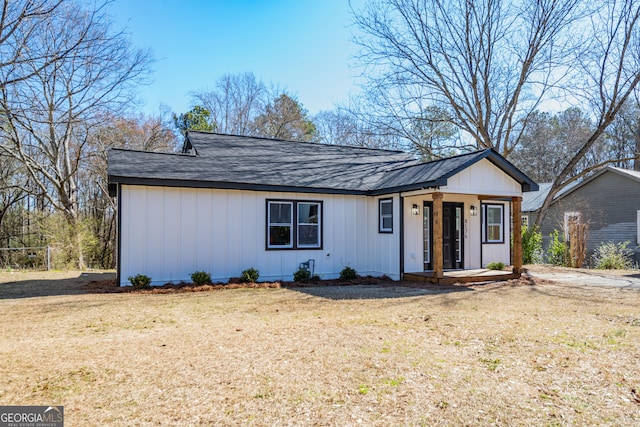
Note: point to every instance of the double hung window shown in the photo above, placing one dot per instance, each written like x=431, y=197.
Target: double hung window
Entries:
x=493, y=223
x=385, y=210
x=294, y=224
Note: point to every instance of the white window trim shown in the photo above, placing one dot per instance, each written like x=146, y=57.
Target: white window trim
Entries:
x=279, y=224
x=381, y=216
x=426, y=217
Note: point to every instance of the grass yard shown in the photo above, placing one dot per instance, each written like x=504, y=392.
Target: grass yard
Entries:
x=513, y=354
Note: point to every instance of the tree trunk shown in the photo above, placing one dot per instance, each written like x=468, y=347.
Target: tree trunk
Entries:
x=636, y=134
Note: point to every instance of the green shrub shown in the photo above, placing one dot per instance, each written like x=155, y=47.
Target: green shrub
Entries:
x=250, y=275
x=611, y=256
x=140, y=281
x=348, y=273
x=558, y=250
x=496, y=266
x=531, y=245
x=200, y=278
x=302, y=275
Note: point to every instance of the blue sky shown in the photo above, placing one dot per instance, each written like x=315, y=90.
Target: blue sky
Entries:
x=303, y=46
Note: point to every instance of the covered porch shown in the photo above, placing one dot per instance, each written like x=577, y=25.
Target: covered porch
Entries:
x=459, y=216
x=451, y=237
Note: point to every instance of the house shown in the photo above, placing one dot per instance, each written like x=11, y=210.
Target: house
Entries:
x=228, y=203
x=608, y=202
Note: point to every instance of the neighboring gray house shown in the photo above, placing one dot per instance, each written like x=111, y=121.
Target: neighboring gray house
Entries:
x=608, y=201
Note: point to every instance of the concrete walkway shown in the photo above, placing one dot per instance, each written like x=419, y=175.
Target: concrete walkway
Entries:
x=586, y=277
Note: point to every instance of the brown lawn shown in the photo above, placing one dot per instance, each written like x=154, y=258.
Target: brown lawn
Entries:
x=520, y=353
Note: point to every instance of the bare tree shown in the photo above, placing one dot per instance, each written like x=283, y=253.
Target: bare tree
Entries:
x=488, y=63
x=49, y=116
x=609, y=72
x=492, y=63
x=349, y=126
x=623, y=136
x=411, y=122
x=19, y=21
x=549, y=140
x=12, y=191
x=137, y=132
x=234, y=102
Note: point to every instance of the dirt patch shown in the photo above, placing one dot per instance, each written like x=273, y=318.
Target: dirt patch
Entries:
x=515, y=353
x=586, y=277
x=546, y=268
x=24, y=284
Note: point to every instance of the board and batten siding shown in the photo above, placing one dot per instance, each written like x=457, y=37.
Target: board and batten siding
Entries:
x=486, y=179
x=168, y=233
x=483, y=178
x=610, y=204
x=499, y=252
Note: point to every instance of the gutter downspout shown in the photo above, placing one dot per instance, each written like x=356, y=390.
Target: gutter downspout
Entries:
x=119, y=235
x=482, y=230
x=401, y=236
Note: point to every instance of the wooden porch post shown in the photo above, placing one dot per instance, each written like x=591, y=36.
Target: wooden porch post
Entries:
x=517, y=234
x=437, y=236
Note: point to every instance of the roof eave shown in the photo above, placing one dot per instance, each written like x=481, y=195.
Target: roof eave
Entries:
x=223, y=185
x=526, y=183
x=409, y=187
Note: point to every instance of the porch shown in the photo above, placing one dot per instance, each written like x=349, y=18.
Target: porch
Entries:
x=461, y=276
x=449, y=237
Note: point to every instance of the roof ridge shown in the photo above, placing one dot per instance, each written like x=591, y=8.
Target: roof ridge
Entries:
x=133, y=150
x=439, y=160
x=355, y=147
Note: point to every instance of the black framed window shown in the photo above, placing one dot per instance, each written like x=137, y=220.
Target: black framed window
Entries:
x=493, y=223
x=385, y=211
x=293, y=224
x=308, y=225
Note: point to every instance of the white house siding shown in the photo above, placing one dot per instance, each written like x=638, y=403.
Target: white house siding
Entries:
x=413, y=234
x=499, y=252
x=483, y=178
x=384, y=248
x=168, y=233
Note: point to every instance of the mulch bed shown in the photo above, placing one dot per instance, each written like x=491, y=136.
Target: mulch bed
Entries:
x=111, y=286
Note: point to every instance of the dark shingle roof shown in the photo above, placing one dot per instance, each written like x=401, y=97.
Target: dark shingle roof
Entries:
x=240, y=162
x=430, y=174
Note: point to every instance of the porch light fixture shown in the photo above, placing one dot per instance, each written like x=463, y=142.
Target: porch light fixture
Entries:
x=415, y=210
x=474, y=211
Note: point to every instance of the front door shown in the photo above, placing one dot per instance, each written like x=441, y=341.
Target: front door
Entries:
x=452, y=244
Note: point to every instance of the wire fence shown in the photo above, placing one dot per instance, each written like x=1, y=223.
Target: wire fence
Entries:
x=26, y=258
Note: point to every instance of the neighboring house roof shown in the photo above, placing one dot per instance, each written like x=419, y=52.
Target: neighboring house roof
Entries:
x=239, y=162
x=533, y=201
x=626, y=172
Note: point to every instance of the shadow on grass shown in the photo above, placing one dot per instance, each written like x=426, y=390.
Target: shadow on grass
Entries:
x=25, y=287
x=376, y=291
